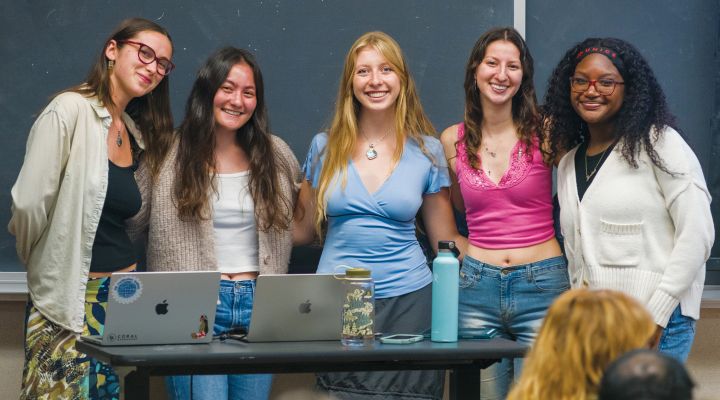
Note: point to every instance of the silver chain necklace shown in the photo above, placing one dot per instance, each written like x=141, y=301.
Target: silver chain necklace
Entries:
x=371, y=153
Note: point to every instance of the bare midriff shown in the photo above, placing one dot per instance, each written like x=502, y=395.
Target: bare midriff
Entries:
x=96, y=275
x=518, y=256
x=242, y=276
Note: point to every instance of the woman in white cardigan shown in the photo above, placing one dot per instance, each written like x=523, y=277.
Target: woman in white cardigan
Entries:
x=635, y=208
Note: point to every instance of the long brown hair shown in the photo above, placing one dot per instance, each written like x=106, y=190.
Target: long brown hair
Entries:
x=410, y=119
x=150, y=112
x=196, y=151
x=524, y=103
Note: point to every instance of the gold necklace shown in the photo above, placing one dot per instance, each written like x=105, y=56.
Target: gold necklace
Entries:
x=592, y=173
x=371, y=153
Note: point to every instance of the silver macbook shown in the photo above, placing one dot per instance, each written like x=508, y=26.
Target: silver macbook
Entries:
x=160, y=308
x=296, y=308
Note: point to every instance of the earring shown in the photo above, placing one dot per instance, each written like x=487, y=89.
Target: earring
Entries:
x=111, y=65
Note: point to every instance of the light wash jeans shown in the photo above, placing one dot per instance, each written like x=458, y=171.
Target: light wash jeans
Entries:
x=512, y=300
x=678, y=336
x=233, y=312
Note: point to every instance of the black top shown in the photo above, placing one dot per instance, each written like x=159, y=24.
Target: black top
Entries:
x=112, y=249
x=587, y=167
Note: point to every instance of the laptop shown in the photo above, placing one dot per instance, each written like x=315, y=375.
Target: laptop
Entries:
x=296, y=307
x=159, y=308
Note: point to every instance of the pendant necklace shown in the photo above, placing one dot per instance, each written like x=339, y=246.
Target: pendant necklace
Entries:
x=592, y=173
x=371, y=153
x=118, y=140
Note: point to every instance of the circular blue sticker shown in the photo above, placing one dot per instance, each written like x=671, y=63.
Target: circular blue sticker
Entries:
x=127, y=290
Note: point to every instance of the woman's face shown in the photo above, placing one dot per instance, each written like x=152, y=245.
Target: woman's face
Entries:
x=594, y=105
x=130, y=76
x=236, y=99
x=499, y=74
x=375, y=83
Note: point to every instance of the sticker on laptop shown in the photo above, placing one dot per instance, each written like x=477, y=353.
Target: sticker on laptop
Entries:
x=127, y=290
x=202, y=329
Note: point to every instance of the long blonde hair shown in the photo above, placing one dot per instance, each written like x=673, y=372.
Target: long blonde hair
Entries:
x=410, y=119
x=583, y=331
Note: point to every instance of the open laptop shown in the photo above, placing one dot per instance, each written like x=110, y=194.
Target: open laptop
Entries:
x=296, y=307
x=159, y=308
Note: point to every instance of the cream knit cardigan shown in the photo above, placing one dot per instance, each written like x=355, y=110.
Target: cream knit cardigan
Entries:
x=175, y=245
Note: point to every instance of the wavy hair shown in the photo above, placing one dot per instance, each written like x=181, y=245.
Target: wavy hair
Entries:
x=524, y=103
x=583, y=331
x=150, y=112
x=410, y=119
x=195, y=162
x=641, y=118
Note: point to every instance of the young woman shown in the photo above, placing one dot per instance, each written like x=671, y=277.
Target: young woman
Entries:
x=502, y=180
x=368, y=177
x=635, y=209
x=223, y=199
x=75, y=189
x=583, y=332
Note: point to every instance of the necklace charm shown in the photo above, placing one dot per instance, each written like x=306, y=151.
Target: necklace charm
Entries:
x=371, y=153
x=118, y=140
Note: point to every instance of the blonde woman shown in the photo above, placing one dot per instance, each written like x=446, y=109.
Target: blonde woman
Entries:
x=368, y=177
x=583, y=332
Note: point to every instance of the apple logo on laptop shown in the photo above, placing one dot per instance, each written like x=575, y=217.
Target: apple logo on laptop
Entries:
x=304, y=308
x=161, y=308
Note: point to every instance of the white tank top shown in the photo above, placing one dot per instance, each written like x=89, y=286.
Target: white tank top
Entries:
x=236, y=239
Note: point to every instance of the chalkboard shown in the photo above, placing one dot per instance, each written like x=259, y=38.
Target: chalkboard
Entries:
x=680, y=39
x=48, y=45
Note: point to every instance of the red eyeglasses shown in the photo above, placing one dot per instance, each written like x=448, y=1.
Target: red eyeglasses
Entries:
x=147, y=55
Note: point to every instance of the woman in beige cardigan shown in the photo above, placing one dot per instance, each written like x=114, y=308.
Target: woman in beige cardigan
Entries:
x=223, y=200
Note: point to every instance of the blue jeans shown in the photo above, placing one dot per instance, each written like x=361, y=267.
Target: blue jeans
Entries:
x=512, y=300
x=233, y=312
x=678, y=335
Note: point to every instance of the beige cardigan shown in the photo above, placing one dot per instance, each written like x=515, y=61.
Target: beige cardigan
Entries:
x=175, y=245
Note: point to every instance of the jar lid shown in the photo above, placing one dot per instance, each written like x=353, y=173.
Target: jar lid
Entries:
x=357, y=273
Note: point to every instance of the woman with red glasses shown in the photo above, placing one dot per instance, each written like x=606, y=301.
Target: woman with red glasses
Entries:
x=74, y=191
x=635, y=208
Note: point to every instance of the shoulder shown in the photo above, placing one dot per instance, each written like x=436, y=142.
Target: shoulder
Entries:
x=675, y=152
x=281, y=147
x=320, y=140
x=449, y=137
x=71, y=103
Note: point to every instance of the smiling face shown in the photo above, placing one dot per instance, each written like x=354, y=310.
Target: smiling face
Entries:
x=375, y=83
x=236, y=99
x=593, y=107
x=499, y=74
x=130, y=77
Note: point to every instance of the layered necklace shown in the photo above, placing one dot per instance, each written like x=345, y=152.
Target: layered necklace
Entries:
x=371, y=153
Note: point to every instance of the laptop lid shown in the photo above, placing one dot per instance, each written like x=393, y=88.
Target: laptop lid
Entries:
x=296, y=307
x=160, y=308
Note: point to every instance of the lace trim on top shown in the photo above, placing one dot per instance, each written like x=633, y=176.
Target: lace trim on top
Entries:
x=520, y=166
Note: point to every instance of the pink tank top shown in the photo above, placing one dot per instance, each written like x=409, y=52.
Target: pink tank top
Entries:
x=517, y=212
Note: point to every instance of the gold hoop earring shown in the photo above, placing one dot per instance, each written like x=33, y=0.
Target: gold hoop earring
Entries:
x=111, y=65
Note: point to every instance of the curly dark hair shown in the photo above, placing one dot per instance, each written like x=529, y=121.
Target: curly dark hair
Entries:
x=641, y=118
x=524, y=103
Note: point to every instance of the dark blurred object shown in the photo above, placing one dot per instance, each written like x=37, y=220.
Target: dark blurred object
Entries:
x=646, y=375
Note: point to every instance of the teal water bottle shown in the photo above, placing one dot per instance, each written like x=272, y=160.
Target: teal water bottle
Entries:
x=446, y=278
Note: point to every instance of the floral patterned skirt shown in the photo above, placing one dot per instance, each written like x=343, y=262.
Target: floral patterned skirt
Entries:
x=54, y=369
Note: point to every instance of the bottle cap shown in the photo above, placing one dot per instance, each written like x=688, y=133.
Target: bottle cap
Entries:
x=446, y=245
x=449, y=245
x=357, y=273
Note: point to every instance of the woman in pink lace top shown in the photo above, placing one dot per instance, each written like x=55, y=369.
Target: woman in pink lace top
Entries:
x=502, y=180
